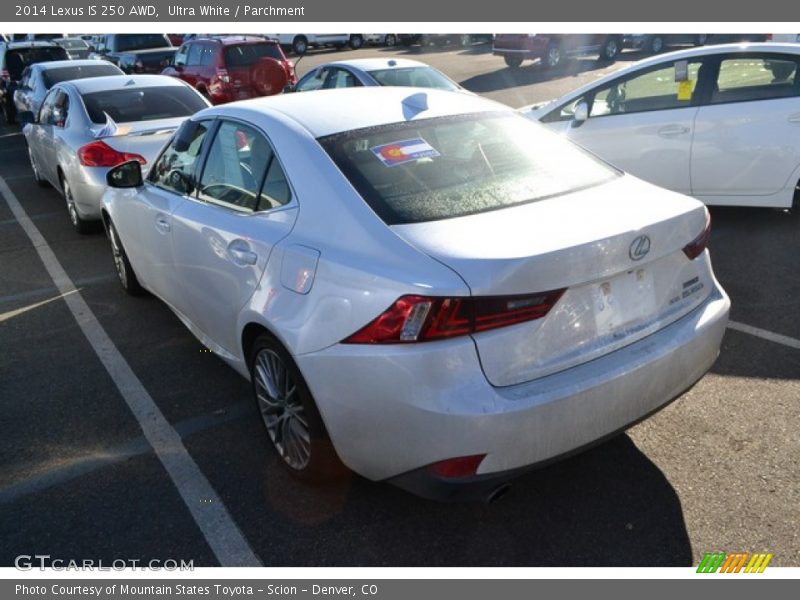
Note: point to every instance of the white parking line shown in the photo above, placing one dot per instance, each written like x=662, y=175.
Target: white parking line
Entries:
x=764, y=334
x=212, y=517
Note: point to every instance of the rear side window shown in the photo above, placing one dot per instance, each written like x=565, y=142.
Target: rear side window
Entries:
x=743, y=79
x=143, y=104
x=246, y=55
x=54, y=76
x=18, y=58
x=454, y=166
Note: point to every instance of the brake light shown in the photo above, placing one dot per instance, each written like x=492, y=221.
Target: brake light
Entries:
x=100, y=154
x=695, y=248
x=423, y=318
x=457, y=468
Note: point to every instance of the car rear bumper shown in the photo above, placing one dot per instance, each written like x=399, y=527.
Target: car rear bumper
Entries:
x=392, y=410
x=87, y=190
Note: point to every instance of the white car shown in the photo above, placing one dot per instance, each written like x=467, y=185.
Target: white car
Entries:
x=301, y=42
x=721, y=123
x=375, y=71
x=434, y=291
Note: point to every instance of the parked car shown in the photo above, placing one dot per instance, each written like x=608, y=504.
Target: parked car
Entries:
x=136, y=52
x=719, y=122
x=14, y=57
x=38, y=78
x=658, y=42
x=375, y=71
x=87, y=126
x=422, y=285
x=551, y=49
x=381, y=39
x=75, y=47
x=299, y=43
x=230, y=68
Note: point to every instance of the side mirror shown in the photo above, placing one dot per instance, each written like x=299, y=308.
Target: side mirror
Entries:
x=581, y=112
x=26, y=117
x=126, y=175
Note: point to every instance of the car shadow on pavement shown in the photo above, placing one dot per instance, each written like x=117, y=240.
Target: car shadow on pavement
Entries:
x=609, y=506
x=528, y=74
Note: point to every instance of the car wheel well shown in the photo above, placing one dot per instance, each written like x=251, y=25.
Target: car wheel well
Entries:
x=250, y=334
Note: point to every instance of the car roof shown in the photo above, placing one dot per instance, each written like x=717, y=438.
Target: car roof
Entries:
x=372, y=64
x=58, y=64
x=120, y=82
x=325, y=112
x=31, y=44
x=230, y=40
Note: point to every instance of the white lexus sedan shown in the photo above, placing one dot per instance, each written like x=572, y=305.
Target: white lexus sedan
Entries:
x=436, y=291
x=721, y=123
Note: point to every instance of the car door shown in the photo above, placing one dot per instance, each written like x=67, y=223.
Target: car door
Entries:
x=50, y=133
x=747, y=139
x=642, y=122
x=192, y=69
x=145, y=222
x=41, y=136
x=224, y=236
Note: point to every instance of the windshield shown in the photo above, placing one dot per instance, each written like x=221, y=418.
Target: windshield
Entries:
x=142, y=41
x=73, y=44
x=54, y=76
x=454, y=166
x=247, y=55
x=144, y=104
x=426, y=77
x=19, y=58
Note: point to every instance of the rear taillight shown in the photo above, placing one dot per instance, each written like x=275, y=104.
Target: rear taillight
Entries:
x=695, y=248
x=100, y=154
x=423, y=318
x=457, y=468
x=222, y=75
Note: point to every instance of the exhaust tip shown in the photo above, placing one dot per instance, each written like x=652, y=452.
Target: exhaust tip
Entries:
x=498, y=493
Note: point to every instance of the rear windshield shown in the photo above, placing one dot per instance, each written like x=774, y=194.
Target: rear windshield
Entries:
x=141, y=41
x=143, y=104
x=454, y=166
x=19, y=58
x=54, y=76
x=413, y=76
x=248, y=54
x=73, y=44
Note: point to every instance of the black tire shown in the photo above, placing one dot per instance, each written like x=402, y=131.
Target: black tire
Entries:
x=610, y=49
x=127, y=277
x=656, y=45
x=407, y=42
x=300, y=439
x=36, y=175
x=300, y=45
x=390, y=40
x=79, y=224
x=552, y=56
x=512, y=60
x=356, y=41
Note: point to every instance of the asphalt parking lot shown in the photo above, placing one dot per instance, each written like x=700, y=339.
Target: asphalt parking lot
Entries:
x=717, y=470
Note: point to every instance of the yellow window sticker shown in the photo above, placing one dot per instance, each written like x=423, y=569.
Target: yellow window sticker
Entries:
x=685, y=89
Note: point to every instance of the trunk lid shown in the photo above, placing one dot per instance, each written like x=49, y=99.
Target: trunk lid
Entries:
x=590, y=244
x=145, y=138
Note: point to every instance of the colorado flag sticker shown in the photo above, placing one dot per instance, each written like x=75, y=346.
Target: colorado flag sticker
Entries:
x=397, y=153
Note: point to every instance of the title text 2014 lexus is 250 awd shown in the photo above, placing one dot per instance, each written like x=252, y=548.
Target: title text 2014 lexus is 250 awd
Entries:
x=434, y=291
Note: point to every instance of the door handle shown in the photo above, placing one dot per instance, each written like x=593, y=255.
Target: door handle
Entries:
x=240, y=253
x=673, y=130
x=163, y=224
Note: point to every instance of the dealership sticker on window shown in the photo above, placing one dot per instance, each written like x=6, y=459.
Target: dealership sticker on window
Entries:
x=398, y=153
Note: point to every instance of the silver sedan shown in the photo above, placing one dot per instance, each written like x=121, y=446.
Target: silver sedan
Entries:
x=84, y=127
x=368, y=72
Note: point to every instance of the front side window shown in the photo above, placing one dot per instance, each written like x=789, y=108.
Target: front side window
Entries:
x=234, y=171
x=454, y=166
x=194, y=55
x=744, y=78
x=312, y=81
x=174, y=169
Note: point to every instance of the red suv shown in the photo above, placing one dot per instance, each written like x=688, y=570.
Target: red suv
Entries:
x=230, y=68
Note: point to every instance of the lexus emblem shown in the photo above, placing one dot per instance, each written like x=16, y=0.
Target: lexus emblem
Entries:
x=639, y=248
